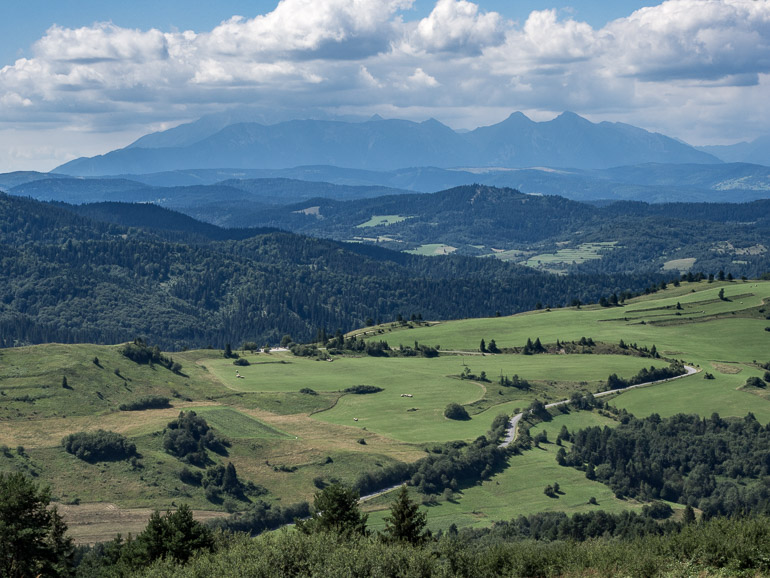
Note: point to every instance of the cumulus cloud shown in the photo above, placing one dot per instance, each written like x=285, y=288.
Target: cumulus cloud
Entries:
x=692, y=39
x=686, y=61
x=456, y=25
x=301, y=26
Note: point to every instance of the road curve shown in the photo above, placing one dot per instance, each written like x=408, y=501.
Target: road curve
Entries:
x=513, y=424
x=510, y=434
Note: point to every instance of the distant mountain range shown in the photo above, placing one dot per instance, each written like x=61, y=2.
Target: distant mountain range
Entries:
x=382, y=145
x=756, y=151
x=230, y=197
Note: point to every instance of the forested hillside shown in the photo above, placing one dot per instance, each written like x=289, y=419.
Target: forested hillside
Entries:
x=67, y=278
x=481, y=220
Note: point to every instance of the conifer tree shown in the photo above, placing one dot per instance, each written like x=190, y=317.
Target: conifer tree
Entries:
x=406, y=523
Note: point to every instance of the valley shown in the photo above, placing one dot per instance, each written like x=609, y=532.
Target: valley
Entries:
x=292, y=427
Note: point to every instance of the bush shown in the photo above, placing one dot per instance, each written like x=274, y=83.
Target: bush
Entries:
x=363, y=389
x=242, y=361
x=308, y=391
x=99, y=446
x=149, y=402
x=755, y=382
x=190, y=477
x=456, y=411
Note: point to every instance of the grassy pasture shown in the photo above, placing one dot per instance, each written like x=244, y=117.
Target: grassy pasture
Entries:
x=235, y=424
x=433, y=383
x=684, y=264
x=567, y=256
x=283, y=439
x=378, y=220
x=518, y=489
x=708, y=331
x=432, y=249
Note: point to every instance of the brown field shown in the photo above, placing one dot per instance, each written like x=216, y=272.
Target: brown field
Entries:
x=96, y=522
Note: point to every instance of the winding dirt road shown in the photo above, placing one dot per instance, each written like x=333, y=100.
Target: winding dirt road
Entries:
x=510, y=434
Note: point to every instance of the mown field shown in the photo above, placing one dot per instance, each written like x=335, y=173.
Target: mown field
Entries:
x=291, y=425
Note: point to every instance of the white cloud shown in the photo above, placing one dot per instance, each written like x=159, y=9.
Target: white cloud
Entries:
x=297, y=26
x=692, y=39
x=421, y=79
x=456, y=25
x=691, y=68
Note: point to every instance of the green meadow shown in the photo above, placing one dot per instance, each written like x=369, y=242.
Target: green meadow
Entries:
x=433, y=249
x=556, y=260
x=291, y=424
x=378, y=220
x=518, y=489
x=432, y=383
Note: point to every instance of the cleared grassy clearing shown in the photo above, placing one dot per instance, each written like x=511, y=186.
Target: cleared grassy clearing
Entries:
x=679, y=264
x=567, y=256
x=378, y=220
x=235, y=424
x=432, y=249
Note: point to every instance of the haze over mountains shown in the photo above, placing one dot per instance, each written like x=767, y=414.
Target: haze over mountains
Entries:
x=226, y=165
x=566, y=141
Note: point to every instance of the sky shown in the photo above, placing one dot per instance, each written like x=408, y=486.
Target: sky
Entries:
x=82, y=77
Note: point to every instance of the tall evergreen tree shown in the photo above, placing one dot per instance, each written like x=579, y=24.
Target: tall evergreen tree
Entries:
x=33, y=539
x=406, y=522
x=335, y=510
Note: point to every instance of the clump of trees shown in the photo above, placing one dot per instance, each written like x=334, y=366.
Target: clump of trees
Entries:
x=189, y=436
x=147, y=402
x=173, y=536
x=362, y=389
x=99, y=446
x=645, y=375
x=141, y=353
x=515, y=381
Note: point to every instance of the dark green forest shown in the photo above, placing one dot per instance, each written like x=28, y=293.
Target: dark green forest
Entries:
x=67, y=278
x=473, y=216
x=720, y=466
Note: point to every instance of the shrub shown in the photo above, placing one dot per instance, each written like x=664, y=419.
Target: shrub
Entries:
x=242, y=361
x=755, y=382
x=456, y=411
x=308, y=391
x=190, y=477
x=99, y=446
x=148, y=402
x=363, y=389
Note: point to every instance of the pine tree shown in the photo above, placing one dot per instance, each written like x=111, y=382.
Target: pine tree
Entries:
x=405, y=523
x=33, y=539
x=336, y=510
x=689, y=515
x=483, y=347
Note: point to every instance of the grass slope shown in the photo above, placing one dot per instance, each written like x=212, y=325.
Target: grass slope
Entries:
x=287, y=441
